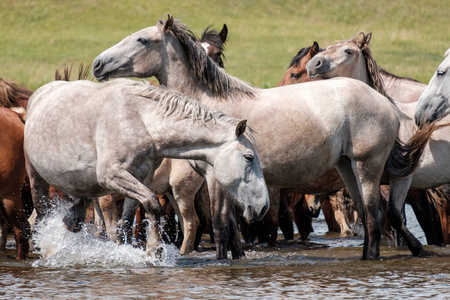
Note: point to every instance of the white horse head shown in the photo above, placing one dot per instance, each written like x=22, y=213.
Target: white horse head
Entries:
x=434, y=102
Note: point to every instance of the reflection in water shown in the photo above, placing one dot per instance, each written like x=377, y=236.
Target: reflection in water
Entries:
x=75, y=266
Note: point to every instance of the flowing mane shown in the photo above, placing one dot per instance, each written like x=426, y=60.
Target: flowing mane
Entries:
x=215, y=78
x=375, y=80
x=12, y=94
x=173, y=104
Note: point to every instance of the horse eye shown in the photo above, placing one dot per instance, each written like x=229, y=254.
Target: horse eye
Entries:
x=348, y=51
x=142, y=41
x=295, y=75
x=440, y=73
x=248, y=157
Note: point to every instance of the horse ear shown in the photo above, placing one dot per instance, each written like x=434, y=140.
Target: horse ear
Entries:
x=314, y=49
x=224, y=33
x=368, y=38
x=240, y=128
x=168, y=24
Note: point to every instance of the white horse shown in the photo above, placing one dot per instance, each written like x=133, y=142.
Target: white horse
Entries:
x=303, y=130
x=434, y=102
x=174, y=175
x=90, y=139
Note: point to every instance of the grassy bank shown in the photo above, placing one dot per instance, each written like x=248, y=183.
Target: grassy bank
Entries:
x=409, y=37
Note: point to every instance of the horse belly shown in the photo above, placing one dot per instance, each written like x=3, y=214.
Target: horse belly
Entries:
x=434, y=166
x=66, y=161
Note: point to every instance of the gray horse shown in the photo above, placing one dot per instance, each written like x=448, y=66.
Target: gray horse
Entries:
x=90, y=139
x=303, y=130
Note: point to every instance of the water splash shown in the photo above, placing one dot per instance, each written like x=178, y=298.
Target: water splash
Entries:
x=60, y=248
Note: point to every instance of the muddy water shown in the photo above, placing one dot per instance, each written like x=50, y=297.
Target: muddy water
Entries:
x=79, y=266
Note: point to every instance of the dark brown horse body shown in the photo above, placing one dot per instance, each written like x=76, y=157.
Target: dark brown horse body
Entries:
x=12, y=179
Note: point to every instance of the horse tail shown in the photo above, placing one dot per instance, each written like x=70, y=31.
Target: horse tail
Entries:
x=404, y=158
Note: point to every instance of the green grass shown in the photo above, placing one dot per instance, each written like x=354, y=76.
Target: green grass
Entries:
x=409, y=37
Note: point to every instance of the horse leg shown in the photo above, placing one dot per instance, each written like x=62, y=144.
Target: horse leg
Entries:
x=139, y=230
x=220, y=215
x=109, y=209
x=285, y=216
x=4, y=228
x=341, y=213
x=168, y=222
x=426, y=215
x=74, y=219
x=397, y=196
x=362, y=179
x=203, y=213
x=184, y=193
x=125, y=224
x=179, y=235
x=99, y=219
x=122, y=182
x=268, y=233
x=14, y=210
x=328, y=212
x=302, y=218
x=234, y=236
x=39, y=191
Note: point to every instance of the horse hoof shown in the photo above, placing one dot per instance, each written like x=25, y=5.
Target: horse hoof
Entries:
x=71, y=225
x=157, y=254
x=426, y=253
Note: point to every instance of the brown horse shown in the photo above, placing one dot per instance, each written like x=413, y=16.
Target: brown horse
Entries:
x=12, y=179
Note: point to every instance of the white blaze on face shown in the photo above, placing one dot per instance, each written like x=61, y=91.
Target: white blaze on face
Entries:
x=206, y=47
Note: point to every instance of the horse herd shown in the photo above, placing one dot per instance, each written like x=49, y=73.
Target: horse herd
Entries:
x=243, y=154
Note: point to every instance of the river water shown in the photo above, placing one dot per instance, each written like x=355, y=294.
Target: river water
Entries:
x=80, y=266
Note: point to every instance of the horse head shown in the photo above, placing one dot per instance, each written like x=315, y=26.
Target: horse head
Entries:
x=341, y=59
x=297, y=70
x=434, y=103
x=237, y=168
x=214, y=43
x=144, y=53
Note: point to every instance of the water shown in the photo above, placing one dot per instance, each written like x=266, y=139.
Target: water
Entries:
x=74, y=266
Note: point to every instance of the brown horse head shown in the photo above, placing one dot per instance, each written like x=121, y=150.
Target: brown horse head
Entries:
x=297, y=70
x=13, y=95
x=214, y=43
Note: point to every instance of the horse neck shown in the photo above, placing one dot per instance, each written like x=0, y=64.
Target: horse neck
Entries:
x=402, y=89
x=178, y=75
x=360, y=72
x=189, y=139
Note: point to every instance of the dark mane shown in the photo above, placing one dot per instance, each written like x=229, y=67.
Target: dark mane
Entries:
x=375, y=80
x=211, y=75
x=13, y=95
x=211, y=36
x=388, y=74
x=302, y=53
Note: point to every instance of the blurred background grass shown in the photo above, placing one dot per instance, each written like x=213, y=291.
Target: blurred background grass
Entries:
x=409, y=37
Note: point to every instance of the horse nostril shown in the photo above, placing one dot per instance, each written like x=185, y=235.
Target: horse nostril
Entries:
x=318, y=64
x=98, y=65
